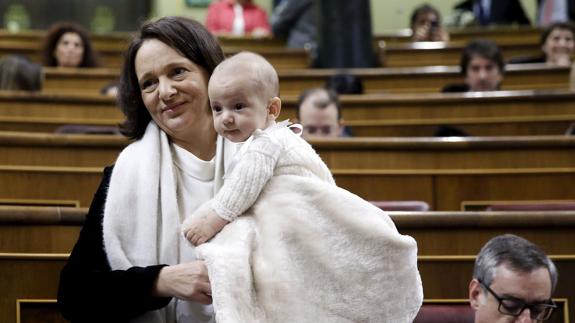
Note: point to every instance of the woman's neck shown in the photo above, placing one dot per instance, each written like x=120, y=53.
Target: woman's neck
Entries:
x=201, y=143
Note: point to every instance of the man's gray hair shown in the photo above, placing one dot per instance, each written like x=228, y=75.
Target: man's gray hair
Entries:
x=516, y=253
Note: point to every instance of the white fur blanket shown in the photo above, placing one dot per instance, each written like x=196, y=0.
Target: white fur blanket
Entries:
x=308, y=251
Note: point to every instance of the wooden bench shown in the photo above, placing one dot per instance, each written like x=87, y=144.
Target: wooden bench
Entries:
x=440, y=53
x=499, y=34
x=443, y=173
x=27, y=229
x=280, y=58
x=370, y=115
x=446, y=252
x=349, y=154
x=375, y=80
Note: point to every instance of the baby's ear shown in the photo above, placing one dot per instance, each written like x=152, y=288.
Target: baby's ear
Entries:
x=274, y=108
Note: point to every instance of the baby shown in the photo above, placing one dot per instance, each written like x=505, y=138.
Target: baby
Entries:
x=243, y=92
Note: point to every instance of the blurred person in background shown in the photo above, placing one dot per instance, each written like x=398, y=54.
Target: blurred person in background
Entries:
x=482, y=68
x=426, y=24
x=557, y=46
x=319, y=112
x=68, y=45
x=237, y=18
x=19, y=74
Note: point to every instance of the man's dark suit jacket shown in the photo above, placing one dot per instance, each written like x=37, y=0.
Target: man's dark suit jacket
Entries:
x=502, y=12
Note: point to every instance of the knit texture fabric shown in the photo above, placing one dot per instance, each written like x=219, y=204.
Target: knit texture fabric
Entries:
x=270, y=153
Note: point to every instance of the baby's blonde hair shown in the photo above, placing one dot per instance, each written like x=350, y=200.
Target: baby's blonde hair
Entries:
x=259, y=71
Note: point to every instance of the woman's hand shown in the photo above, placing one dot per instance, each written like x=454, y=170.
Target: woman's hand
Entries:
x=187, y=281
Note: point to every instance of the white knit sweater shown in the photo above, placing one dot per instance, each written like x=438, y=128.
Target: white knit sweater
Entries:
x=275, y=151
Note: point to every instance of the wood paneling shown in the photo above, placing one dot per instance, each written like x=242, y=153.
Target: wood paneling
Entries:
x=55, y=229
x=439, y=53
x=35, y=276
x=344, y=154
x=499, y=113
x=499, y=34
x=375, y=80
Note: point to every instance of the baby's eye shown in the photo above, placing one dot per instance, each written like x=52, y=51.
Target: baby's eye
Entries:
x=216, y=108
x=239, y=106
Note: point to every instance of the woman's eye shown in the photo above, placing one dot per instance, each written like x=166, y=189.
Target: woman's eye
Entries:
x=239, y=106
x=147, y=85
x=179, y=71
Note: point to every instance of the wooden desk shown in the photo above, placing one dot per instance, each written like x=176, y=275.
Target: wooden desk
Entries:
x=445, y=261
x=112, y=56
x=345, y=154
x=542, y=112
x=440, y=53
x=499, y=34
x=55, y=229
x=443, y=173
x=378, y=80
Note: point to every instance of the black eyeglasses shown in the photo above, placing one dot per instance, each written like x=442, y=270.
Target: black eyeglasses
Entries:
x=515, y=306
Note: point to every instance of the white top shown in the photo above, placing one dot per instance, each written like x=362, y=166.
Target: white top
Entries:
x=273, y=152
x=195, y=183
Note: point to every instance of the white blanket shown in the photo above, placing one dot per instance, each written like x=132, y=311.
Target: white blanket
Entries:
x=308, y=251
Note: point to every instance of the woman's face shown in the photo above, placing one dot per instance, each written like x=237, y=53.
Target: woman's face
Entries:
x=559, y=46
x=174, y=90
x=69, y=50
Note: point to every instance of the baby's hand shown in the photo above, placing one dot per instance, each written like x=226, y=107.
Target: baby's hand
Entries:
x=202, y=226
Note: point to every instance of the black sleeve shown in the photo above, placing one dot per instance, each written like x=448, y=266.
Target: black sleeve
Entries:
x=89, y=290
x=519, y=14
x=455, y=88
x=286, y=14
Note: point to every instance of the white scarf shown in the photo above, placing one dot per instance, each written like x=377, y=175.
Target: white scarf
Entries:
x=141, y=216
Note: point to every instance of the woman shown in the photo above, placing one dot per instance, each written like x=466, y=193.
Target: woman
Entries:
x=130, y=262
x=557, y=45
x=237, y=18
x=426, y=25
x=68, y=45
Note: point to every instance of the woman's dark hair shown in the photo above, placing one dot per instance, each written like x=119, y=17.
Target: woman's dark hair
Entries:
x=189, y=38
x=484, y=48
x=18, y=73
x=553, y=26
x=423, y=9
x=89, y=58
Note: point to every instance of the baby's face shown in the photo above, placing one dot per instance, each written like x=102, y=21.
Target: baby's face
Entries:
x=237, y=106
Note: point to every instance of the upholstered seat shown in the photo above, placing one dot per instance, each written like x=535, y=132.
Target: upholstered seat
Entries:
x=401, y=205
x=445, y=313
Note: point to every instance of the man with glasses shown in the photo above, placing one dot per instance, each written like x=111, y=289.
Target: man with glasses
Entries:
x=319, y=113
x=513, y=281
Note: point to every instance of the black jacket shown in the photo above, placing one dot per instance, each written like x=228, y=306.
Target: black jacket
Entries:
x=502, y=12
x=89, y=290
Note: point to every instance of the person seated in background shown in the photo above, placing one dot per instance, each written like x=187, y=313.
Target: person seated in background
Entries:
x=237, y=18
x=319, y=112
x=295, y=21
x=557, y=44
x=489, y=12
x=482, y=68
x=19, y=74
x=68, y=45
x=426, y=24
x=513, y=281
